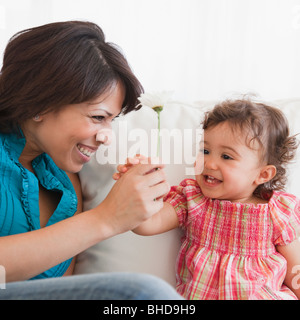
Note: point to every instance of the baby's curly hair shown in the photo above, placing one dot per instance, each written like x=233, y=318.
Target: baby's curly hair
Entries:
x=266, y=124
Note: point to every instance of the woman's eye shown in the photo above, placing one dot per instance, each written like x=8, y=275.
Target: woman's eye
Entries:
x=98, y=118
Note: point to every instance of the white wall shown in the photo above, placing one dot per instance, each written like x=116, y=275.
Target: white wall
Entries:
x=200, y=49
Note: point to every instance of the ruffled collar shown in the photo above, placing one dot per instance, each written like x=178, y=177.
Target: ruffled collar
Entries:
x=14, y=143
x=47, y=174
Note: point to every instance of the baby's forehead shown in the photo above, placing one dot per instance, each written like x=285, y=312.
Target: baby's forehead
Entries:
x=236, y=133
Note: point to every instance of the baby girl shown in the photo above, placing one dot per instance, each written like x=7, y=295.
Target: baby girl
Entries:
x=240, y=228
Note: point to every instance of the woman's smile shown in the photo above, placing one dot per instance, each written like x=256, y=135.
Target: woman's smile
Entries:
x=77, y=128
x=86, y=151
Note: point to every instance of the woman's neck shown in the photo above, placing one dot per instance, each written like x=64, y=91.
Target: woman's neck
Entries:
x=26, y=157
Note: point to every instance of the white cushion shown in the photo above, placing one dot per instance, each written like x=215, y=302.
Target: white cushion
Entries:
x=156, y=254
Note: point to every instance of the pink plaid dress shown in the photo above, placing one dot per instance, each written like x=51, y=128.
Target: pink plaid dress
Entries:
x=228, y=250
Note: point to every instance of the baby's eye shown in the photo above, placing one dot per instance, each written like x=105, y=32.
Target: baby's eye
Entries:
x=226, y=157
x=204, y=151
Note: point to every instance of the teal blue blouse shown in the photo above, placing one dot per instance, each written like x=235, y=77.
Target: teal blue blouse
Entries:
x=19, y=193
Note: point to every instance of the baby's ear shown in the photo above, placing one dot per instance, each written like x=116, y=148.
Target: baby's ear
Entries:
x=266, y=174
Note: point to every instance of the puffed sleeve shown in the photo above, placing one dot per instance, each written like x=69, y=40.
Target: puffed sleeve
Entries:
x=285, y=213
x=176, y=197
x=184, y=198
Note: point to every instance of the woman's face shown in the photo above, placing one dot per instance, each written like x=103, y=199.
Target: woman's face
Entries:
x=74, y=133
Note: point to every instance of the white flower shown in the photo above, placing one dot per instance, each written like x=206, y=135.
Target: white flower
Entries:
x=155, y=100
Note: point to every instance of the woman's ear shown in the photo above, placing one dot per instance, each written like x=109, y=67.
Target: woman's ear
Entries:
x=37, y=118
x=266, y=174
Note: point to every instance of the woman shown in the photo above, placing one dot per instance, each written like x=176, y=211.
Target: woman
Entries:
x=61, y=85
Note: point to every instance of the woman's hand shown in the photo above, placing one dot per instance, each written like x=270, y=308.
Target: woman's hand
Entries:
x=133, y=199
x=130, y=162
x=129, y=203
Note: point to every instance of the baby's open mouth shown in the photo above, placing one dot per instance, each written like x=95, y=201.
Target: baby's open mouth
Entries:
x=211, y=180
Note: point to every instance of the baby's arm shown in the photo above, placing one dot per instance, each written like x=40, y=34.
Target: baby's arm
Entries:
x=163, y=221
x=291, y=253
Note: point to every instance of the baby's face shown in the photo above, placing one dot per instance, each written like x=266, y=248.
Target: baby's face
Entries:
x=230, y=166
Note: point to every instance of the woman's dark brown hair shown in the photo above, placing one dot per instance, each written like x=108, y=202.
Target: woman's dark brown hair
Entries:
x=47, y=67
x=268, y=126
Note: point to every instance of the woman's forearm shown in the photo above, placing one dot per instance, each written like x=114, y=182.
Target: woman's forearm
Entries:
x=28, y=254
x=129, y=203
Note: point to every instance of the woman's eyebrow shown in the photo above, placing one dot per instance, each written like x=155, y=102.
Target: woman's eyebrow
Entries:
x=108, y=113
x=104, y=110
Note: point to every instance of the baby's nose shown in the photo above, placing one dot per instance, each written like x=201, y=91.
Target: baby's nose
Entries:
x=211, y=164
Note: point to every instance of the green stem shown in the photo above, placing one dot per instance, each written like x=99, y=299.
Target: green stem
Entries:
x=158, y=138
x=158, y=110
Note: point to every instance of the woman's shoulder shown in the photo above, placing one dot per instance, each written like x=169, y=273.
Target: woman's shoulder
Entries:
x=3, y=150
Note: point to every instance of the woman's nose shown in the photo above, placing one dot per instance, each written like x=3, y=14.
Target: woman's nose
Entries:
x=104, y=136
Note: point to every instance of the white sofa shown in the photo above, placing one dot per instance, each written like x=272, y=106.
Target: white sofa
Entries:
x=180, y=132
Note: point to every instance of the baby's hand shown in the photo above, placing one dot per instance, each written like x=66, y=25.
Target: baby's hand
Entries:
x=130, y=162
